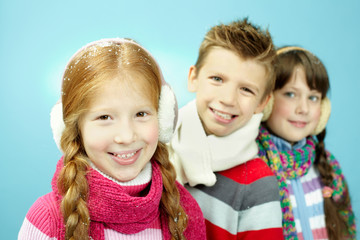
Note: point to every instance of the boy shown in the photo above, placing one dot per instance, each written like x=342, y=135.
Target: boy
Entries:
x=214, y=149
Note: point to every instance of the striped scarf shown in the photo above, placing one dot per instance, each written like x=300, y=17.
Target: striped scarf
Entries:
x=294, y=164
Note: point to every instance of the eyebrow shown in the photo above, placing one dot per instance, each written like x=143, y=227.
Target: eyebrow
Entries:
x=216, y=73
x=312, y=91
x=315, y=92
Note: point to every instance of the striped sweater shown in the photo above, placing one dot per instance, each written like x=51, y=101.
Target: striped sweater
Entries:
x=306, y=198
x=308, y=206
x=243, y=203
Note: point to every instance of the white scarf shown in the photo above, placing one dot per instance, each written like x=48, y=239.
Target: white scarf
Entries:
x=197, y=156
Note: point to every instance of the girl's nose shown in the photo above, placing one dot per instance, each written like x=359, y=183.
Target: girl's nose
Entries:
x=125, y=134
x=302, y=107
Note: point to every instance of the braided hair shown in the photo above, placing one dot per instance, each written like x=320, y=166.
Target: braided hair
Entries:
x=317, y=79
x=87, y=71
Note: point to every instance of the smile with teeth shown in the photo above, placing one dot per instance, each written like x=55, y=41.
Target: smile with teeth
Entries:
x=222, y=115
x=124, y=156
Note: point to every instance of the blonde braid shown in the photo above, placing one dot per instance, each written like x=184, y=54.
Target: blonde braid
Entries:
x=73, y=186
x=170, y=199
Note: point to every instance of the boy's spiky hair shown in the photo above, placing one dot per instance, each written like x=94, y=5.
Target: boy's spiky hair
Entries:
x=247, y=41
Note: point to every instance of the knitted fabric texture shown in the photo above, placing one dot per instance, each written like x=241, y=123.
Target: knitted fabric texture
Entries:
x=110, y=205
x=294, y=164
x=338, y=187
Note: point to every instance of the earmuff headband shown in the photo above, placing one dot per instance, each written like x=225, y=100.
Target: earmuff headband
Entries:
x=325, y=103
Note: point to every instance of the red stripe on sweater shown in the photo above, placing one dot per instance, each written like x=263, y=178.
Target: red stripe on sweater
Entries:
x=240, y=173
x=268, y=234
x=214, y=232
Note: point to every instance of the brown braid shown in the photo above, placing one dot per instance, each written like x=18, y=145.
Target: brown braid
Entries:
x=73, y=186
x=317, y=78
x=335, y=224
x=170, y=199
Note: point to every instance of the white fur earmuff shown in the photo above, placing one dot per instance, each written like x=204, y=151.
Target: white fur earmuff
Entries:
x=167, y=114
x=57, y=122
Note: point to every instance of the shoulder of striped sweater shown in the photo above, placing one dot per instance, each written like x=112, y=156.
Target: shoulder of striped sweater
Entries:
x=249, y=171
x=43, y=214
x=263, y=170
x=196, y=223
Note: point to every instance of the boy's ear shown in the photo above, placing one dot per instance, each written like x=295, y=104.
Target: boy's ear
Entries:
x=262, y=105
x=192, y=79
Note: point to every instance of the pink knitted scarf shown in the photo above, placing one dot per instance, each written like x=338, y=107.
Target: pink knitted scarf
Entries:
x=111, y=207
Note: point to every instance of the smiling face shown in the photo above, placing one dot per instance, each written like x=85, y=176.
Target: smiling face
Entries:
x=120, y=129
x=229, y=90
x=296, y=110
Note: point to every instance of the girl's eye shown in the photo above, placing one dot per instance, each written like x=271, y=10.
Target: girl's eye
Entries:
x=104, y=117
x=141, y=114
x=314, y=98
x=290, y=94
x=217, y=79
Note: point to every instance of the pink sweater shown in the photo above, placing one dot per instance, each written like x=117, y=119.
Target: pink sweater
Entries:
x=43, y=222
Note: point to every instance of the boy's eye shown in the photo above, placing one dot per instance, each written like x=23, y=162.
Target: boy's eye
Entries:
x=245, y=89
x=104, y=117
x=141, y=114
x=290, y=94
x=217, y=79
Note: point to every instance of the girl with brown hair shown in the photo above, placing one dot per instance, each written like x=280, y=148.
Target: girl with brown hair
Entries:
x=314, y=195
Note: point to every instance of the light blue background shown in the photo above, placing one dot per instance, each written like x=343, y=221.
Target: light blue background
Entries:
x=38, y=37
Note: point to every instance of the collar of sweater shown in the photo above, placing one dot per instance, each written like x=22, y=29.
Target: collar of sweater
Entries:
x=284, y=145
x=201, y=155
x=135, y=186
